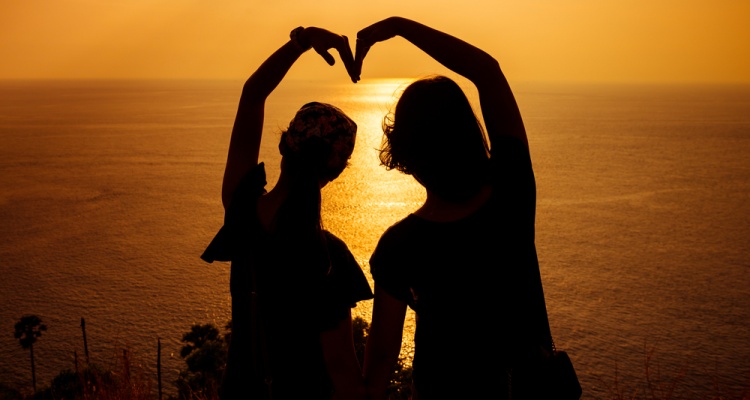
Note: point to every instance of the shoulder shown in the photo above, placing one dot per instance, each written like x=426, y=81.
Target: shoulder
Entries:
x=342, y=259
x=392, y=262
x=254, y=181
x=398, y=241
x=250, y=188
x=333, y=239
x=335, y=245
x=240, y=218
x=398, y=233
x=345, y=280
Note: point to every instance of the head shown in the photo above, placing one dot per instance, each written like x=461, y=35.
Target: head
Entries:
x=434, y=135
x=318, y=142
x=315, y=149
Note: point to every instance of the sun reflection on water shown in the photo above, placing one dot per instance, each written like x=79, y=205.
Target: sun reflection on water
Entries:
x=367, y=199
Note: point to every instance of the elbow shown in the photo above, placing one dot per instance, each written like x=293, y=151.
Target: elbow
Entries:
x=485, y=71
x=256, y=89
x=492, y=64
x=250, y=87
x=487, y=61
x=489, y=68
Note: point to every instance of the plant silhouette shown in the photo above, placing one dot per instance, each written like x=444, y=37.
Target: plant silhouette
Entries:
x=204, y=351
x=27, y=330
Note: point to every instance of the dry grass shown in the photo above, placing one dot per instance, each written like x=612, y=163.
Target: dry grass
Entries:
x=124, y=379
x=655, y=386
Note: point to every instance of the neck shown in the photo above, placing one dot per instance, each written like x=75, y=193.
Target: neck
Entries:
x=437, y=209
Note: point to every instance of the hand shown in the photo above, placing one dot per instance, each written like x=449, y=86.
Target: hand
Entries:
x=323, y=40
x=377, y=32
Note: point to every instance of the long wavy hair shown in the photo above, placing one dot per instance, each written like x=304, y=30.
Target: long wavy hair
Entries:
x=435, y=136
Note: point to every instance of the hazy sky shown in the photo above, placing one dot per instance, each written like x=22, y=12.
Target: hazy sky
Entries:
x=547, y=40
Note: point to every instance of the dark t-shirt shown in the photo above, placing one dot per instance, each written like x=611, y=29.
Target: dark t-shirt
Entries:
x=474, y=284
x=296, y=301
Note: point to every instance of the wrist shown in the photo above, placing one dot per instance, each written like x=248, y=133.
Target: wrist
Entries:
x=297, y=36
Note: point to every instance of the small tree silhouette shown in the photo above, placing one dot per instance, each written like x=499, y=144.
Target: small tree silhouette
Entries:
x=28, y=329
x=204, y=351
x=198, y=336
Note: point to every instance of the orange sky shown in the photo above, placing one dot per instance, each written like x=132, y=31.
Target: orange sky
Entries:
x=535, y=40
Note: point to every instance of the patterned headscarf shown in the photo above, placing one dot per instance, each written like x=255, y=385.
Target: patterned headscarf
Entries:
x=328, y=123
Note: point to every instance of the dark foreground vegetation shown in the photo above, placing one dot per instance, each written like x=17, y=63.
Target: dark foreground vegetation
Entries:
x=204, y=353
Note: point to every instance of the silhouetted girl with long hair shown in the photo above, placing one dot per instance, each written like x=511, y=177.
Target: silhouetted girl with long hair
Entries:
x=292, y=283
x=465, y=261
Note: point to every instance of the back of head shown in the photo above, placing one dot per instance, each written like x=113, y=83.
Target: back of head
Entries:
x=319, y=140
x=434, y=135
x=315, y=149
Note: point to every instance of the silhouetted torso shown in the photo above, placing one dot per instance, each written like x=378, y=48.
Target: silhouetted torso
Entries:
x=473, y=283
x=296, y=301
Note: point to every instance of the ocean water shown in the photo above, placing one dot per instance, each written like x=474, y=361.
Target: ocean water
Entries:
x=110, y=191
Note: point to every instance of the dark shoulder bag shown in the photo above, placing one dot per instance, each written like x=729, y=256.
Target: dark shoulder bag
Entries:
x=553, y=376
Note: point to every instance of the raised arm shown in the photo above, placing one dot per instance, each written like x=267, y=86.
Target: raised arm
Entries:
x=244, y=145
x=499, y=108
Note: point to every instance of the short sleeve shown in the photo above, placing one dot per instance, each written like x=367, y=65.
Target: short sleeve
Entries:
x=389, y=269
x=237, y=216
x=344, y=286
